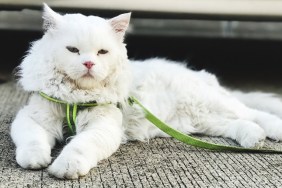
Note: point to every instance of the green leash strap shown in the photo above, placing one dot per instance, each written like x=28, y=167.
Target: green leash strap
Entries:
x=90, y=104
x=71, y=110
x=193, y=141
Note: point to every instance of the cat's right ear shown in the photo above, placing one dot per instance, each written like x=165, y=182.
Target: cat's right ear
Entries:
x=120, y=24
x=50, y=18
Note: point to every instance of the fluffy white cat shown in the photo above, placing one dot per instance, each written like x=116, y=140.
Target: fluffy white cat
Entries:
x=83, y=58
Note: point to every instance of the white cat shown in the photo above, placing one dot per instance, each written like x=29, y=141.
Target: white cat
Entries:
x=81, y=59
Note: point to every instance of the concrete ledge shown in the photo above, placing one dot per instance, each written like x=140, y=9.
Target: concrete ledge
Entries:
x=30, y=20
x=247, y=10
x=260, y=8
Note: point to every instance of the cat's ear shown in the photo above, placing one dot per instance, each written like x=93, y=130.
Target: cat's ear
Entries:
x=120, y=24
x=50, y=18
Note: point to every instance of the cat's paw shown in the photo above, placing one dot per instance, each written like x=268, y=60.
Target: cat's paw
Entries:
x=273, y=128
x=33, y=157
x=251, y=137
x=69, y=166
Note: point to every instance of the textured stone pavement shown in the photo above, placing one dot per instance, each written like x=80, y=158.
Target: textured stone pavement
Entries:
x=163, y=162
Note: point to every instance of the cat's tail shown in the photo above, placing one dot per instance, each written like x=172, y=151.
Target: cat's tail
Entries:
x=268, y=102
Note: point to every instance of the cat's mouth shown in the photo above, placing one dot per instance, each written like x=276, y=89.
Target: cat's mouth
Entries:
x=87, y=75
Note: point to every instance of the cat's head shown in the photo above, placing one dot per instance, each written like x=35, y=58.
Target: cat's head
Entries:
x=88, y=50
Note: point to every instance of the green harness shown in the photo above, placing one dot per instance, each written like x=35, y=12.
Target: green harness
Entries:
x=72, y=110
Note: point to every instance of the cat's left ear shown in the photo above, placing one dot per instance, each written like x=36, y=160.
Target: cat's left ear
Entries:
x=120, y=24
x=50, y=18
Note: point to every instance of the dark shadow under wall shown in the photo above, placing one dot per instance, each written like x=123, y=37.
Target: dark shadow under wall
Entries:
x=229, y=59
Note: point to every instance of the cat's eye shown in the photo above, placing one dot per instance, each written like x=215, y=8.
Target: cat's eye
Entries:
x=72, y=49
x=102, y=51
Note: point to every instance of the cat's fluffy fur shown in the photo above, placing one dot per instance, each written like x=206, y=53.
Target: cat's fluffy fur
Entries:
x=190, y=101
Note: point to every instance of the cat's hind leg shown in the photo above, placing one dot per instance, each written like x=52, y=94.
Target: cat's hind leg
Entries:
x=247, y=133
x=271, y=124
x=267, y=111
x=267, y=102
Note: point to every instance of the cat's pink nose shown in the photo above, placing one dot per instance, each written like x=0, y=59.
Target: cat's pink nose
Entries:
x=88, y=64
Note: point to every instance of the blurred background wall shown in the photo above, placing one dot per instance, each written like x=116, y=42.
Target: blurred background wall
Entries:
x=239, y=40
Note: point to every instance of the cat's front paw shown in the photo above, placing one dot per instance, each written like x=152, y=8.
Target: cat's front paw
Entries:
x=70, y=166
x=33, y=157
